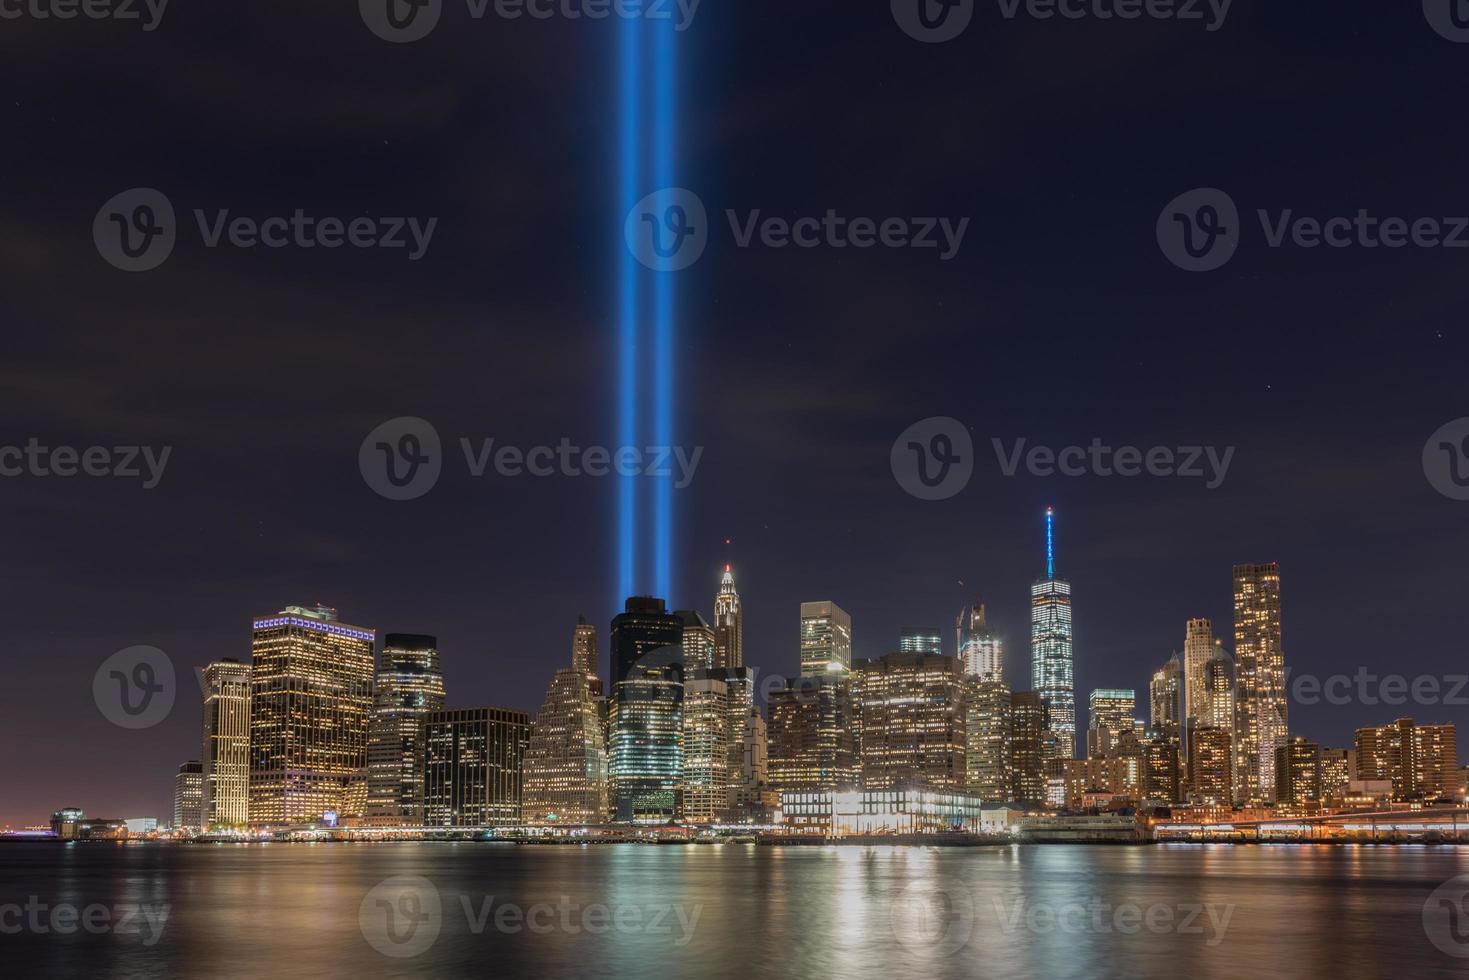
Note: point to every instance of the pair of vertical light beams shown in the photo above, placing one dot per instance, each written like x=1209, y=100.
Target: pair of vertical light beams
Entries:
x=647, y=104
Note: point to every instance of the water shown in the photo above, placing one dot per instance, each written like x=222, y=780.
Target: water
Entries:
x=734, y=911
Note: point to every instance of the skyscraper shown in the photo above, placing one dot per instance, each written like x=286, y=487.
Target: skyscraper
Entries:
x=474, y=764
x=912, y=711
x=1051, y=649
x=1028, y=727
x=188, y=796
x=310, y=700
x=743, y=722
x=1109, y=716
x=646, y=751
x=826, y=639
x=987, y=736
x=706, y=756
x=811, y=743
x=566, y=759
x=226, y=744
x=729, y=637
x=1211, y=767
x=981, y=650
x=698, y=640
x=1298, y=773
x=1166, y=700
x=920, y=639
x=584, y=654
x=1198, y=650
x=410, y=685
x=1261, y=711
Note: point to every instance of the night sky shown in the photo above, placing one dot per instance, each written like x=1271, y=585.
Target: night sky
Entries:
x=1059, y=321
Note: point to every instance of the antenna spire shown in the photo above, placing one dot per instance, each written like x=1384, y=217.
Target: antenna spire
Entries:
x=1051, y=543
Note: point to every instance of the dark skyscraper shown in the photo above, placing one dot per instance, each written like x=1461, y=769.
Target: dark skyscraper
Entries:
x=474, y=765
x=646, y=750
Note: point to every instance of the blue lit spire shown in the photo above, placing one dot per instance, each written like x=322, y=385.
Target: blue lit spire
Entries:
x=1051, y=543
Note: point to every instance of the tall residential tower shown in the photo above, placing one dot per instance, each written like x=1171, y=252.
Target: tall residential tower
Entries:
x=1052, y=660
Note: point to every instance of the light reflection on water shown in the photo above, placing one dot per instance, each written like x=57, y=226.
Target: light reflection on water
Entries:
x=739, y=911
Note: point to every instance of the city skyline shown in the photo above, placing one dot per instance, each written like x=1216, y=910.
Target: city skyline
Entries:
x=834, y=627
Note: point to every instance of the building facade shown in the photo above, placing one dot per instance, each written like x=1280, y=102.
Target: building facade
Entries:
x=987, y=734
x=706, y=754
x=565, y=768
x=1109, y=715
x=811, y=737
x=1052, y=655
x=729, y=636
x=1421, y=761
x=1028, y=728
x=188, y=796
x=410, y=686
x=310, y=702
x=645, y=770
x=980, y=648
x=226, y=744
x=474, y=765
x=1262, y=719
x=912, y=715
x=826, y=639
x=1298, y=773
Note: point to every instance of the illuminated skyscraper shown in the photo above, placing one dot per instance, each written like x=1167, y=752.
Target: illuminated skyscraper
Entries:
x=729, y=636
x=981, y=650
x=1298, y=773
x=826, y=639
x=920, y=639
x=1109, y=717
x=987, y=736
x=811, y=734
x=584, y=654
x=1211, y=767
x=745, y=737
x=1166, y=700
x=226, y=744
x=1160, y=769
x=310, y=700
x=698, y=640
x=410, y=685
x=1198, y=649
x=646, y=752
x=1338, y=769
x=1028, y=727
x=911, y=713
x=188, y=797
x=1052, y=659
x=474, y=765
x=566, y=760
x=706, y=756
x=1261, y=713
